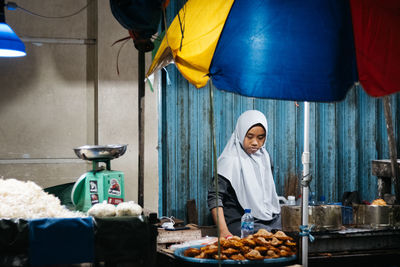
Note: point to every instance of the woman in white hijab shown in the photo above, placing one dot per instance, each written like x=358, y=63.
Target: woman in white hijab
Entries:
x=245, y=179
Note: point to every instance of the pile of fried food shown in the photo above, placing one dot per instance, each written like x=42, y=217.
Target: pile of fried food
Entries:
x=259, y=246
x=379, y=202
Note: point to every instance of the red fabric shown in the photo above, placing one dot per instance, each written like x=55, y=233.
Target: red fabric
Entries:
x=376, y=26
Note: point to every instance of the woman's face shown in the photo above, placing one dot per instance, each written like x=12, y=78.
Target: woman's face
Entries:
x=254, y=139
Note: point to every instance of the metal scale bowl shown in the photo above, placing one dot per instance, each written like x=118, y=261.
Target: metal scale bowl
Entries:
x=98, y=185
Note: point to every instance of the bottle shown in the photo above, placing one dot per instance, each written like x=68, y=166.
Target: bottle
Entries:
x=298, y=201
x=322, y=200
x=247, y=226
x=291, y=200
x=311, y=199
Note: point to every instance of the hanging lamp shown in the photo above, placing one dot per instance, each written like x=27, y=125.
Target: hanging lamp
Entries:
x=10, y=44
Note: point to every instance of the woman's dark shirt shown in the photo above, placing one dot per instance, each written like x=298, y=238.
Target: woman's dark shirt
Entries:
x=233, y=211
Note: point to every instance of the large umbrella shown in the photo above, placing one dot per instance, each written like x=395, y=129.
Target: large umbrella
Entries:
x=286, y=49
x=291, y=50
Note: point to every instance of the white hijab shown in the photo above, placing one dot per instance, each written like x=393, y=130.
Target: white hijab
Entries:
x=250, y=175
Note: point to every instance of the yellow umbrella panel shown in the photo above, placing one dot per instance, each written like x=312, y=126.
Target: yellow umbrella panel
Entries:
x=191, y=39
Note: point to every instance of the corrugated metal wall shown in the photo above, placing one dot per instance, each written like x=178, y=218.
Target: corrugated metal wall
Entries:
x=344, y=138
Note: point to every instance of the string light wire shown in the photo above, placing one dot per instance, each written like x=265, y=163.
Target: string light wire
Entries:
x=13, y=6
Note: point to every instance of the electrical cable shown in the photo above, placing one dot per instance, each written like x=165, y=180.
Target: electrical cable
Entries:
x=13, y=6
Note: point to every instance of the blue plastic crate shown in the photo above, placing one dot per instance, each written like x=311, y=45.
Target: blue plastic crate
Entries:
x=347, y=215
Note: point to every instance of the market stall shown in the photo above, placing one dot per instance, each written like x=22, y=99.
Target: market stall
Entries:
x=254, y=52
x=132, y=239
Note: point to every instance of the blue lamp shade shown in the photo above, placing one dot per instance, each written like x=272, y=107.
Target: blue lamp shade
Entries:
x=10, y=44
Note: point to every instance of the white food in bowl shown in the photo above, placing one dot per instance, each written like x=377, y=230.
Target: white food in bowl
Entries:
x=129, y=208
x=102, y=210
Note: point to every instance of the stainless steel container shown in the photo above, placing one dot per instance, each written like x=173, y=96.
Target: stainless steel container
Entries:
x=373, y=216
x=291, y=218
x=395, y=217
x=323, y=217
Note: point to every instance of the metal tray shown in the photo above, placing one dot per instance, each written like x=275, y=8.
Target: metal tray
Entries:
x=282, y=261
x=105, y=152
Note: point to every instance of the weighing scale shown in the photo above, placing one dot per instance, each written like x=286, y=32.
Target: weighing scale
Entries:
x=99, y=184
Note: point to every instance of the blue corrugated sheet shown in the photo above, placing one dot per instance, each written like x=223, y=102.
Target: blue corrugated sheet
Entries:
x=344, y=138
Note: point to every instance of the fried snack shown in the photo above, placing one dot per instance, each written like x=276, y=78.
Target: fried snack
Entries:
x=254, y=255
x=379, y=202
x=275, y=241
x=285, y=248
x=238, y=257
x=282, y=236
x=245, y=249
x=231, y=243
x=191, y=252
x=249, y=242
x=222, y=242
x=261, y=241
x=201, y=256
x=276, y=250
x=290, y=243
x=284, y=253
x=271, y=253
x=208, y=247
x=254, y=247
x=263, y=233
x=262, y=250
x=223, y=257
x=210, y=252
x=230, y=251
x=235, y=237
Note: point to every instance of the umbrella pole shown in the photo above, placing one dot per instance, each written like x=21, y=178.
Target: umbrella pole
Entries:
x=305, y=186
x=392, y=147
x=141, y=93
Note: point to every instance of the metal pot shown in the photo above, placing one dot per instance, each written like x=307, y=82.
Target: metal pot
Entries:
x=291, y=218
x=323, y=217
x=373, y=216
x=395, y=218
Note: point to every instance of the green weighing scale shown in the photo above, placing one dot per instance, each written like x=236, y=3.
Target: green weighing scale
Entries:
x=99, y=184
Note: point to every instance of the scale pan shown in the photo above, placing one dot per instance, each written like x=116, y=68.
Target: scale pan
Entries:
x=89, y=152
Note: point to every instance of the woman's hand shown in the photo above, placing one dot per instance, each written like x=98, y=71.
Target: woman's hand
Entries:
x=223, y=228
x=225, y=234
